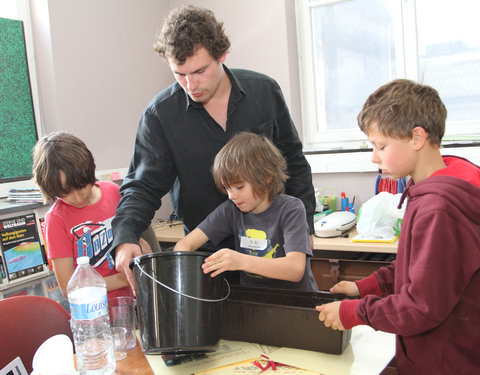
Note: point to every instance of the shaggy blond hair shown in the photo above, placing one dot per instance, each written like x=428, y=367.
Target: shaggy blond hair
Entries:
x=252, y=158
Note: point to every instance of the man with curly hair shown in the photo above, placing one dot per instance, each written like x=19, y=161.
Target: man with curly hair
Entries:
x=184, y=126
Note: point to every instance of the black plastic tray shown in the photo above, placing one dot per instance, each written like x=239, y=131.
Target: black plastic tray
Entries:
x=280, y=318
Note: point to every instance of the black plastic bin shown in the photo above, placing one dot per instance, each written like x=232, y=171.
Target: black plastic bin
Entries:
x=280, y=318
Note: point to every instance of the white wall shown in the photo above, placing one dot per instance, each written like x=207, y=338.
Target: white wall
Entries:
x=97, y=69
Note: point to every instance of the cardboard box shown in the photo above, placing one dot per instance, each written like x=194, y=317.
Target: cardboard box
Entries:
x=280, y=318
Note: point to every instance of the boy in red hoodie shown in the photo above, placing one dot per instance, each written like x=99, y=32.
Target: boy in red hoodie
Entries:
x=430, y=296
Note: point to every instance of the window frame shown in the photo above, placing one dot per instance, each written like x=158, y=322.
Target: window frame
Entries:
x=330, y=145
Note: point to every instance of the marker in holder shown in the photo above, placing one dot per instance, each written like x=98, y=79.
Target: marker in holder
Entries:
x=346, y=204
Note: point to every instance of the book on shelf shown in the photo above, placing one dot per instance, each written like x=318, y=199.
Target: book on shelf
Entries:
x=20, y=246
x=27, y=195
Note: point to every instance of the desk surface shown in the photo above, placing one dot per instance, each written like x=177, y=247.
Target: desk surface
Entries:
x=166, y=233
x=135, y=363
x=369, y=352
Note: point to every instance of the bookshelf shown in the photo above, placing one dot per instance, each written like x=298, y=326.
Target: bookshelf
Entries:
x=38, y=279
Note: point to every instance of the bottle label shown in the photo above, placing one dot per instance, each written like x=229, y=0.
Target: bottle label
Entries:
x=91, y=310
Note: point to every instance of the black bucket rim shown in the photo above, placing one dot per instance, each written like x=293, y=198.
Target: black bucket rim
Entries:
x=166, y=254
x=136, y=262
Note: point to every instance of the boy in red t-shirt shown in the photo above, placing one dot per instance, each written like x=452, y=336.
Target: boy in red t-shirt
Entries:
x=79, y=221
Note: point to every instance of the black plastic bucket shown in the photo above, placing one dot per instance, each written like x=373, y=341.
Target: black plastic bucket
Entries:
x=179, y=307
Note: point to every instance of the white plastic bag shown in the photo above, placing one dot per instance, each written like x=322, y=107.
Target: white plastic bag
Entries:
x=380, y=217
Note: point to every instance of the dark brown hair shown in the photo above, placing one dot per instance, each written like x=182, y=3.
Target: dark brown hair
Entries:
x=401, y=105
x=252, y=158
x=64, y=152
x=189, y=28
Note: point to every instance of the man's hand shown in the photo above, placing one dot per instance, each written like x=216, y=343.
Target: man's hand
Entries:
x=124, y=253
x=330, y=316
x=346, y=287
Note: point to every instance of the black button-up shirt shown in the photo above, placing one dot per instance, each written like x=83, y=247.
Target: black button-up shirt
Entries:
x=177, y=140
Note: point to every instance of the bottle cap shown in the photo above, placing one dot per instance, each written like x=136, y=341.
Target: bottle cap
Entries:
x=83, y=260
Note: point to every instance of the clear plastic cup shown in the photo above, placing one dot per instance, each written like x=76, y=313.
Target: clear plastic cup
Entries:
x=122, y=314
x=119, y=335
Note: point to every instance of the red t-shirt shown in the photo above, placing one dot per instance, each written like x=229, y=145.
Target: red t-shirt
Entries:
x=87, y=231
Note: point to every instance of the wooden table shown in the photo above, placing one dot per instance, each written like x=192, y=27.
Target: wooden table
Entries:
x=334, y=259
x=173, y=234
x=346, y=244
x=135, y=363
x=166, y=233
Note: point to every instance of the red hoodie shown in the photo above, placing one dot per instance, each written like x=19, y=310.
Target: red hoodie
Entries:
x=430, y=296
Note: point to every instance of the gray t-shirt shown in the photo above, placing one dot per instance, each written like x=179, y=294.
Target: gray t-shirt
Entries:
x=280, y=229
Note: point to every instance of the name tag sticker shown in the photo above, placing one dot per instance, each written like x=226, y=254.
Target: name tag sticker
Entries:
x=253, y=243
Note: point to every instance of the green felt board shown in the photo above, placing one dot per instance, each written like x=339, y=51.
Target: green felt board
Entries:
x=18, y=132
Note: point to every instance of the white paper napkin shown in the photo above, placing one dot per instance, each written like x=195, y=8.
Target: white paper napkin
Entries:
x=54, y=357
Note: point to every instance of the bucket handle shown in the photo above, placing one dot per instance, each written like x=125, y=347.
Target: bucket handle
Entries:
x=135, y=260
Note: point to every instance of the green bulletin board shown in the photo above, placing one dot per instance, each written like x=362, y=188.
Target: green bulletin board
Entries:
x=18, y=133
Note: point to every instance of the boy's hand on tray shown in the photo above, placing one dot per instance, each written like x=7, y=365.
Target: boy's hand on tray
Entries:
x=349, y=288
x=330, y=316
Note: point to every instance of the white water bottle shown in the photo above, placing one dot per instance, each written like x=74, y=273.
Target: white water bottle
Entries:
x=90, y=322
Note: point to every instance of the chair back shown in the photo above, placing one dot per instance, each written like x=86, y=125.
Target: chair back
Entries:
x=25, y=323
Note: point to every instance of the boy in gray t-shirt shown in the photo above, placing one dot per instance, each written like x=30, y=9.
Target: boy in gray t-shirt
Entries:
x=272, y=242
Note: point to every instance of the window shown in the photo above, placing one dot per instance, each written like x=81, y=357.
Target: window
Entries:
x=349, y=48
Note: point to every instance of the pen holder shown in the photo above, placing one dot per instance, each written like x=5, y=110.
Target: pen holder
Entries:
x=344, y=204
x=347, y=206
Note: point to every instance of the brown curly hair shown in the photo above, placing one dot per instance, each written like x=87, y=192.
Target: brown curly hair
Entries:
x=187, y=29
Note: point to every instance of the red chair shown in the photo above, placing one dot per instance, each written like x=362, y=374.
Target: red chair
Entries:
x=25, y=323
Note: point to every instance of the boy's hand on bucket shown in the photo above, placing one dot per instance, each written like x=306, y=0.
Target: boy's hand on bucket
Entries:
x=223, y=260
x=124, y=253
